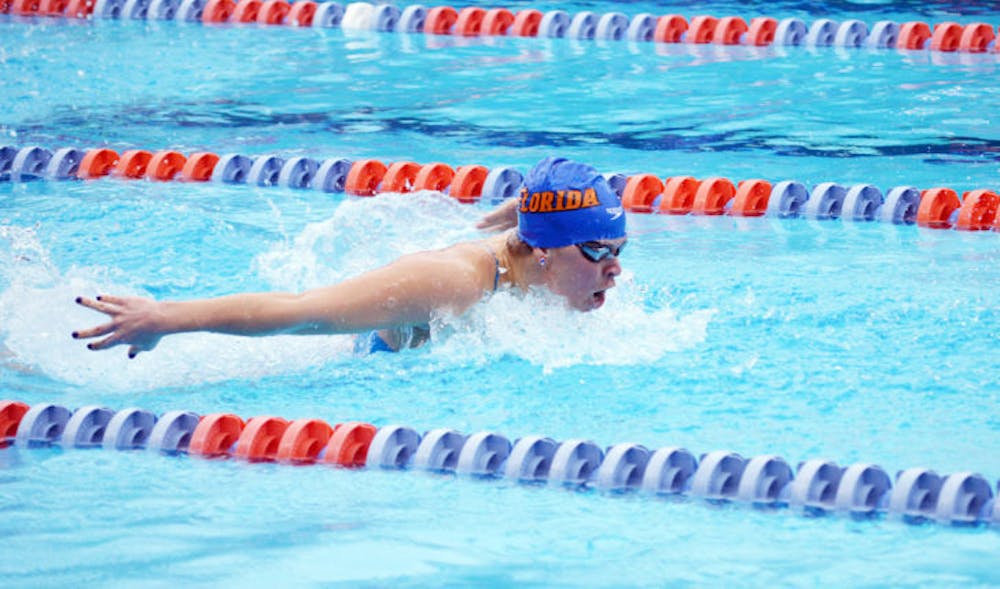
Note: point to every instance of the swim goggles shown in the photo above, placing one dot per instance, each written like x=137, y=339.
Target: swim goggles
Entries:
x=596, y=251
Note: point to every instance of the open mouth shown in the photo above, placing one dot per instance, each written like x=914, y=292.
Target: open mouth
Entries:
x=599, y=298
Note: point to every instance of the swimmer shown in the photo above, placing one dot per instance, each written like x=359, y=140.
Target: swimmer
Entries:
x=570, y=229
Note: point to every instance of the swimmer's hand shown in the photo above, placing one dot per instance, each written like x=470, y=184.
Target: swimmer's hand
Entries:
x=135, y=321
x=502, y=218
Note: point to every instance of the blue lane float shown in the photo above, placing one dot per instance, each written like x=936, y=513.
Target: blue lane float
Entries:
x=817, y=486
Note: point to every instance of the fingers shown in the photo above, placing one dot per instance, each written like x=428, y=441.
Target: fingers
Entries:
x=105, y=343
x=94, y=331
x=133, y=351
x=101, y=303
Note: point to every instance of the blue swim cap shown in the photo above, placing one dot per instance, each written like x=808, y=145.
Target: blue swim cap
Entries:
x=565, y=202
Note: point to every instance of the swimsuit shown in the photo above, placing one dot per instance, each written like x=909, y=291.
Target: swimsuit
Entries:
x=371, y=342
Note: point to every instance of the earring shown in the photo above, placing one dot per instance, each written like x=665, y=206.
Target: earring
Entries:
x=541, y=261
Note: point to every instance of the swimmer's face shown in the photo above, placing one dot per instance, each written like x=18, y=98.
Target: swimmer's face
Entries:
x=583, y=273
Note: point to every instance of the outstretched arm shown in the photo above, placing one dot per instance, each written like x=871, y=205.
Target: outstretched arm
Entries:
x=405, y=292
x=502, y=218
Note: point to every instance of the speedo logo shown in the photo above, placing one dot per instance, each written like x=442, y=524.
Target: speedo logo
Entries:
x=557, y=201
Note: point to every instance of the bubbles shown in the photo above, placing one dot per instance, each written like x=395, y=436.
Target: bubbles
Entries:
x=538, y=327
x=366, y=233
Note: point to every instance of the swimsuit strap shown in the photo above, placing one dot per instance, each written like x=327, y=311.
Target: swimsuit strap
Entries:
x=496, y=261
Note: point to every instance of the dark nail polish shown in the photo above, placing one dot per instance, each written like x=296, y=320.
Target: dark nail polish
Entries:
x=90, y=346
x=131, y=355
x=75, y=335
x=98, y=297
x=79, y=300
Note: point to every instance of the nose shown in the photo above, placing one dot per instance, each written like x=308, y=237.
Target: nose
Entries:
x=613, y=268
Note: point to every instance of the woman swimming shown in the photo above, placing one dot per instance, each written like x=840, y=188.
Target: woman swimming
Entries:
x=570, y=229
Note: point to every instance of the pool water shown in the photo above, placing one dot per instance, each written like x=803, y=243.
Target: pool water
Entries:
x=852, y=342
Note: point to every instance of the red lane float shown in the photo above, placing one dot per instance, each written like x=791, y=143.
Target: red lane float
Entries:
x=497, y=21
x=260, y=438
x=640, y=192
x=439, y=20
x=217, y=11
x=913, y=35
x=11, y=414
x=52, y=7
x=97, y=163
x=751, y=198
x=304, y=439
x=364, y=177
x=302, y=13
x=273, y=12
x=165, y=165
x=436, y=176
x=467, y=185
x=199, y=167
x=24, y=7
x=246, y=11
x=349, y=444
x=946, y=37
x=702, y=29
x=936, y=207
x=526, y=23
x=976, y=38
x=978, y=211
x=712, y=196
x=133, y=163
x=400, y=177
x=79, y=8
x=215, y=434
x=761, y=32
x=678, y=195
x=729, y=30
x=470, y=21
x=670, y=28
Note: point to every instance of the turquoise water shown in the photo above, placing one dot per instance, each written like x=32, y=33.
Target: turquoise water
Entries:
x=852, y=342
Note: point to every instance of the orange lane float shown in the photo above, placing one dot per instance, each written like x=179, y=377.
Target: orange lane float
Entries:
x=729, y=30
x=165, y=165
x=302, y=13
x=246, y=11
x=52, y=7
x=976, y=38
x=470, y=21
x=25, y=7
x=400, y=177
x=215, y=434
x=304, y=440
x=133, y=163
x=640, y=192
x=678, y=195
x=440, y=19
x=761, y=32
x=946, y=37
x=79, y=8
x=913, y=35
x=273, y=12
x=978, y=211
x=526, y=23
x=199, y=167
x=11, y=414
x=217, y=11
x=936, y=207
x=497, y=21
x=670, y=28
x=751, y=198
x=436, y=176
x=260, y=438
x=712, y=196
x=349, y=444
x=97, y=163
x=364, y=177
x=467, y=185
x=702, y=29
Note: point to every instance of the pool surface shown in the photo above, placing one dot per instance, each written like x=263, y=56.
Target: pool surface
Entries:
x=851, y=342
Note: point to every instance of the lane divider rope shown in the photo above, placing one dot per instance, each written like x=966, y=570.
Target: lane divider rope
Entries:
x=817, y=486
x=935, y=208
x=473, y=21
